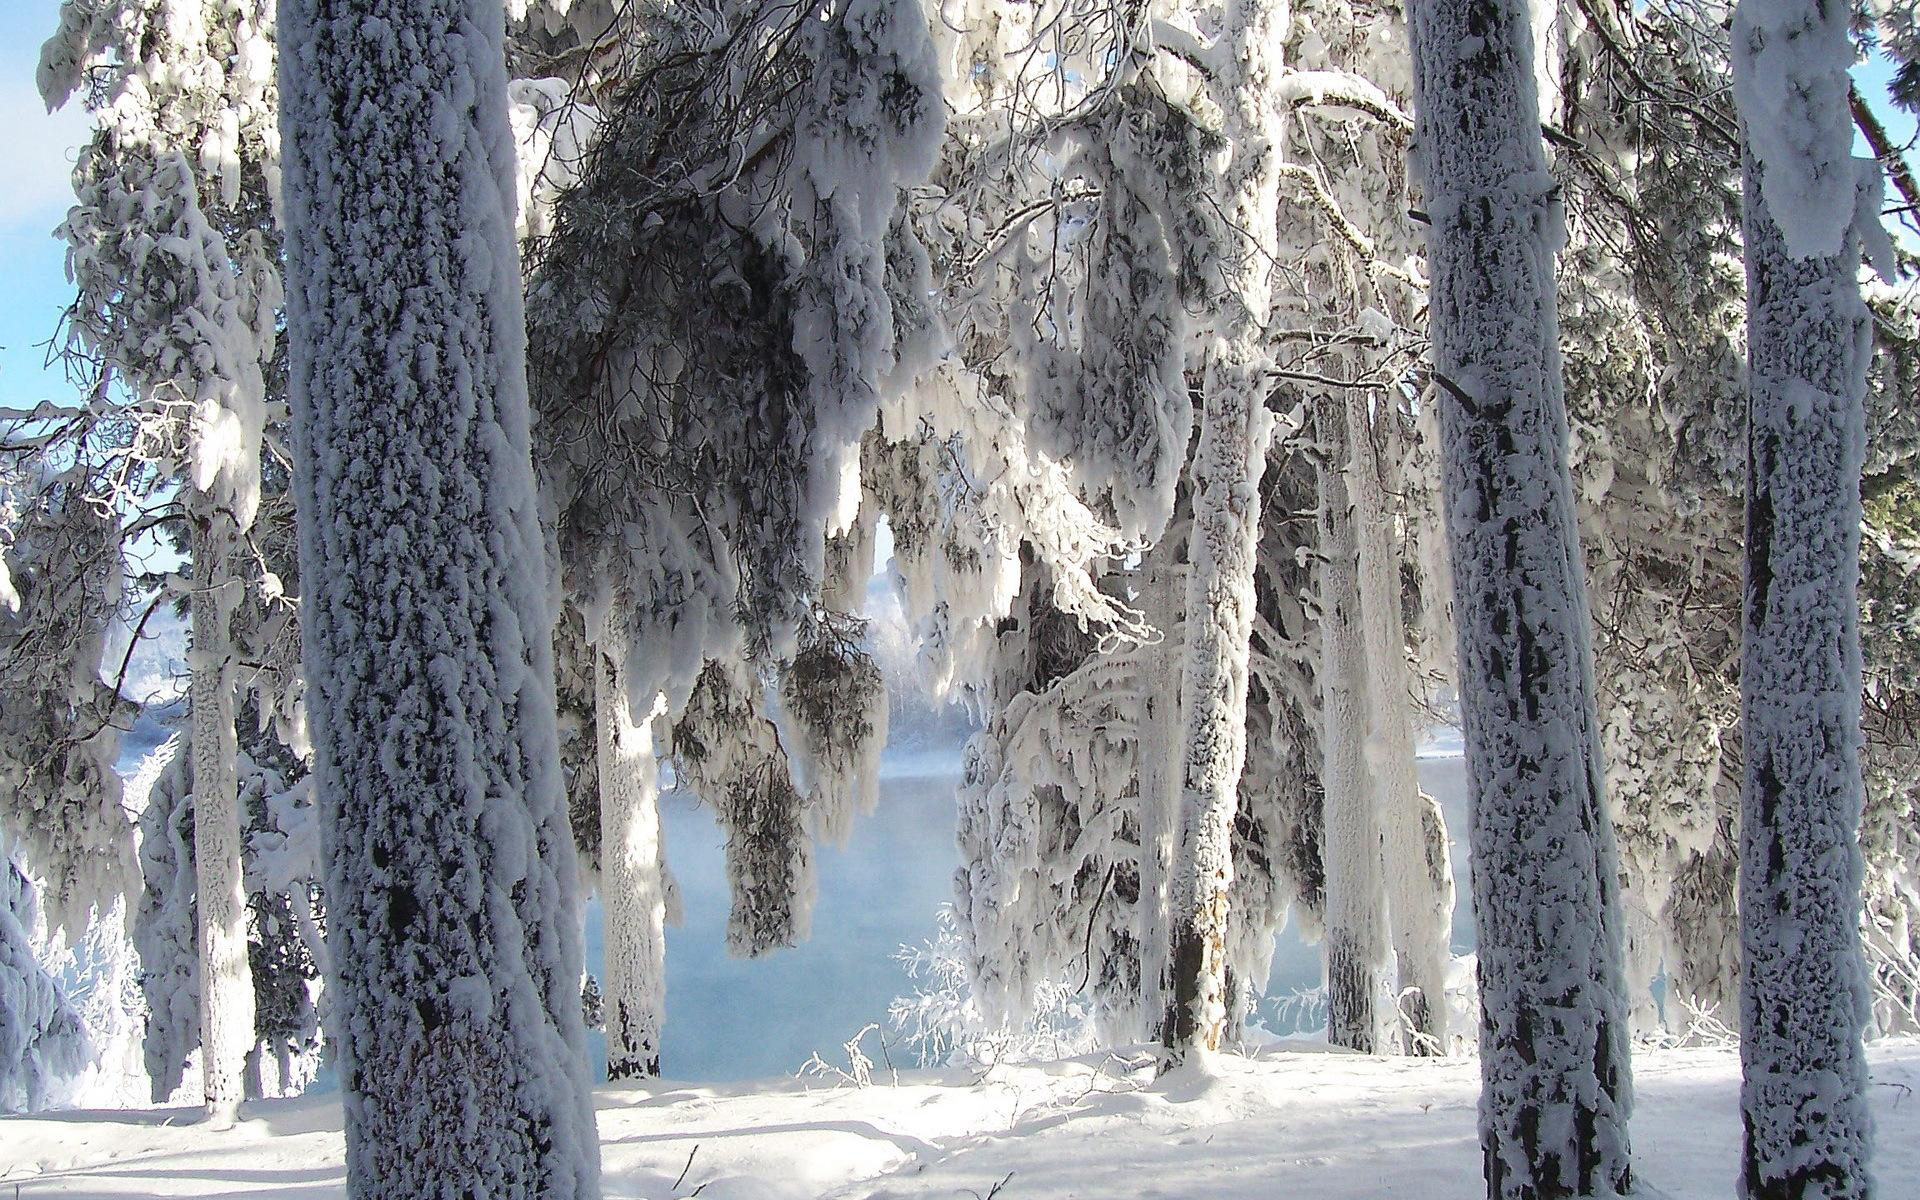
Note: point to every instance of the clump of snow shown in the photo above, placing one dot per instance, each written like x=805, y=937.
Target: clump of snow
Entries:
x=1790, y=62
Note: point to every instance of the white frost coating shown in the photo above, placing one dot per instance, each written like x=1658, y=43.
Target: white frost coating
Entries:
x=869, y=123
x=60, y=797
x=162, y=927
x=1235, y=428
x=832, y=715
x=226, y=988
x=1553, y=1028
x=1355, y=940
x=1790, y=63
x=958, y=528
x=1158, y=769
x=184, y=311
x=282, y=936
x=1419, y=877
x=1803, y=991
x=453, y=920
x=42, y=1039
x=551, y=131
x=1046, y=823
x=1113, y=410
x=633, y=892
x=179, y=286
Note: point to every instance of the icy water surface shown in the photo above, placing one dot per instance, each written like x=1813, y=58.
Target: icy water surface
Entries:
x=731, y=1019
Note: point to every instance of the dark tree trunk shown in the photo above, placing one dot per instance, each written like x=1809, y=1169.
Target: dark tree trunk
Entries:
x=1553, y=1026
x=1803, y=989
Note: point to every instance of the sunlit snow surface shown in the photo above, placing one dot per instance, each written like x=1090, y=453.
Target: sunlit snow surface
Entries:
x=1297, y=1121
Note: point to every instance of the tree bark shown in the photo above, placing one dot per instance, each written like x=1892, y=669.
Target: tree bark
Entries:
x=1556, y=1092
x=1160, y=728
x=455, y=942
x=1803, y=987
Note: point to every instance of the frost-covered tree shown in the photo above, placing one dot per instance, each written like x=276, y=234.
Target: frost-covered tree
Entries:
x=1651, y=303
x=1231, y=453
x=173, y=254
x=633, y=881
x=1808, y=208
x=1355, y=923
x=1415, y=859
x=1082, y=262
x=1648, y=153
x=41, y=1036
x=61, y=580
x=716, y=317
x=1553, y=1039
x=454, y=946
x=284, y=941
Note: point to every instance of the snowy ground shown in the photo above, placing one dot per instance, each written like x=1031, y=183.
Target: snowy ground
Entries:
x=1296, y=1121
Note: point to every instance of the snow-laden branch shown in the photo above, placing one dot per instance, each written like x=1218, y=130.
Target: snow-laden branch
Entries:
x=1339, y=89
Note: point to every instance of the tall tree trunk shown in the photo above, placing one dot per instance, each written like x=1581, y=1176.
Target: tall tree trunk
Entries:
x=1235, y=428
x=1803, y=986
x=632, y=883
x=1160, y=728
x=1419, y=877
x=455, y=971
x=1355, y=929
x=1553, y=1024
x=226, y=981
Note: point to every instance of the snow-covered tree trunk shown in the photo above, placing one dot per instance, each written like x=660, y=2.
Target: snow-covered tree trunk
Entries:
x=632, y=884
x=1556, y=1089
x=1158, y=770
x=1235, y=428
x=226, y=986
x=1419, y=877
x=455, y=943
x=1803, y=990
x=1355, y=936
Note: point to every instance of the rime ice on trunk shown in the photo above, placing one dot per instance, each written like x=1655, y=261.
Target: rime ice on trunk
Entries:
x=1235, y=428
x=453, y=923
x=1355, y=937
x=632, y=879
x=1158, y=770
x=1803, y=988
x=1419, y=877
x=1553, y=1041
x=226, y=986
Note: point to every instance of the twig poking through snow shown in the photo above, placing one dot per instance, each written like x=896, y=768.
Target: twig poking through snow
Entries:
x=688, y=1166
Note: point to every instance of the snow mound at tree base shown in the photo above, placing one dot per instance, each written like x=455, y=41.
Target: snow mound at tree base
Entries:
x=1296, y=1120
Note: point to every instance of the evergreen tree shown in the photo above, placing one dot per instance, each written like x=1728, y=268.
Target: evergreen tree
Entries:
x=176, y=262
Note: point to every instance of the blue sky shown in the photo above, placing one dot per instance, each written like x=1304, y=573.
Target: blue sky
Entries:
x=35, y=158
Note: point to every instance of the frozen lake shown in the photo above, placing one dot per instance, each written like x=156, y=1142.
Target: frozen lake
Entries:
x=730, y=1019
